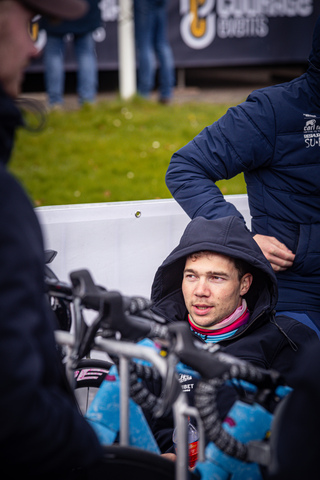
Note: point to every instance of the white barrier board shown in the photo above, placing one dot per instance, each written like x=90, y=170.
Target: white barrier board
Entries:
x=122, y=243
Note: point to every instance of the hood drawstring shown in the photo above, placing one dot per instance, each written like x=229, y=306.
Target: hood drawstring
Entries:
x=291, y=342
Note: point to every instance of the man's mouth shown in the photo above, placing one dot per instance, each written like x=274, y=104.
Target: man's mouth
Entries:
x=202, y=309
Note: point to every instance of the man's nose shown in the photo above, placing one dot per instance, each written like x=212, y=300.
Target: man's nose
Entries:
x=202, y=289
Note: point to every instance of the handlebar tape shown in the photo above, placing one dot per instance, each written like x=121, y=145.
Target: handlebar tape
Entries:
x=128, y=315
x=200, y=360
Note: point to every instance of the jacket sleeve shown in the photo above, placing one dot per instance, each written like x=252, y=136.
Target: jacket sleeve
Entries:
x=240, y=141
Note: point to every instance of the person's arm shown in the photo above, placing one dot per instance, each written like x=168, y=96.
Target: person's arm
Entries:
x=240, y=141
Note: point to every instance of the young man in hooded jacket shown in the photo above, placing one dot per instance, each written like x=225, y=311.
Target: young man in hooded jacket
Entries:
x=219, y=281
x=273, y=137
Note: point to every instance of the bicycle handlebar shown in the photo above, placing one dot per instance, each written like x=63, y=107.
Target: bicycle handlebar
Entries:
x=57, y=288
x=134, y=320
x=131, y=316
x=211, y=362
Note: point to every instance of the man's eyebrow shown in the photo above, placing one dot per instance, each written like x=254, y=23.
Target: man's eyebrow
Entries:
x=217, y=274
x=188, y=270
x=210, y=272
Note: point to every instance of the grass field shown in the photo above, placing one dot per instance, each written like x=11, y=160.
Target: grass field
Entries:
x=113, y=151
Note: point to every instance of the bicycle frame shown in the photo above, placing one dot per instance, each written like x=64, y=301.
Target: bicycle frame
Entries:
x=126, y=351
x=245, y=449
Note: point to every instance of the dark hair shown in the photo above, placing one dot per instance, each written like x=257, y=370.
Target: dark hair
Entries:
x=242, y=266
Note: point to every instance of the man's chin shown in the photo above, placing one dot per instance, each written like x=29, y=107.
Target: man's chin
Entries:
x=204, y=322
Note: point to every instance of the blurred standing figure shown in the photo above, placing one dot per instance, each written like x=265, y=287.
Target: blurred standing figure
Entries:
x=87, y=75
x=151, y=41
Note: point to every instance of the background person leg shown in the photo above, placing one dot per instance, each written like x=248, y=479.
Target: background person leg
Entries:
x=87, y=75
x=54, y=69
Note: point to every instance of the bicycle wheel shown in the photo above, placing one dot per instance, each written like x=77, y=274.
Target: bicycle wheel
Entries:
x=136, y=464
x=121, y=462
x=88, y=376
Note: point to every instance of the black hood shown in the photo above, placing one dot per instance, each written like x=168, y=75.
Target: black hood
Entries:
x=228, y=236
x=314, y=57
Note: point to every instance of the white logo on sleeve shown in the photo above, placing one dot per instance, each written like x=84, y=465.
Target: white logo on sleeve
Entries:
x=311, y=131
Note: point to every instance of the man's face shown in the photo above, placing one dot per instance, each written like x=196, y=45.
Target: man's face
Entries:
x=211, y=288
x=16, y=46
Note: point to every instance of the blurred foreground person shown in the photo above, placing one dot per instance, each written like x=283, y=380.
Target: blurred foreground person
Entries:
x=296, y=426
x=42, y=433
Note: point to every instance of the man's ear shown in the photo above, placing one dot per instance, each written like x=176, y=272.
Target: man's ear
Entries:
x=245, y=283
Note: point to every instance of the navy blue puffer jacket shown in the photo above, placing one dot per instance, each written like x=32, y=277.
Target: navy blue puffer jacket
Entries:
x=274, y=138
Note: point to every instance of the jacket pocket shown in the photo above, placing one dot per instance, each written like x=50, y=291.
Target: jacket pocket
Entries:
x=307, y=260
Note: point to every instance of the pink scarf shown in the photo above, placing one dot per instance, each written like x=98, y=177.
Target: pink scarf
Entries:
x=239, y=317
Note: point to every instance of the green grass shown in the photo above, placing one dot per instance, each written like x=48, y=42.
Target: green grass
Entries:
x=113, y=151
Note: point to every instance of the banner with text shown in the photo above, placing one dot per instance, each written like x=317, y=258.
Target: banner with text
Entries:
x=205, y=33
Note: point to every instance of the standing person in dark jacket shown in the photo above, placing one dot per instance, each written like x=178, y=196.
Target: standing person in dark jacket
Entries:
x=84, y=45
x=42, y=433
x=219, y=281
x=273, y=137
